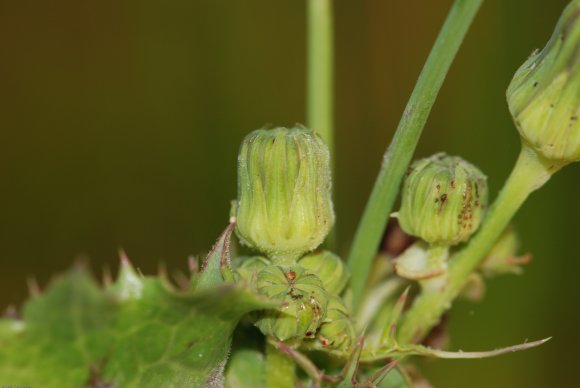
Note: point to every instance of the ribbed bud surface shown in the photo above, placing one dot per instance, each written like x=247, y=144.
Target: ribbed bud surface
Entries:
x=443, y=200
x=544, y=95
x=284, y=192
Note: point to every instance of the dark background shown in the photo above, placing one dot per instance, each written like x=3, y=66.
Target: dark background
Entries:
x=120, y=122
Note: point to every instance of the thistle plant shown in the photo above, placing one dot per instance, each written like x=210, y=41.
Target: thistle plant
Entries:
x=300, y=314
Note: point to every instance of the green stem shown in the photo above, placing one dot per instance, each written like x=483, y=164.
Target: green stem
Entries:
x=320, y=70
x=530, y=172
x=400, y=152
x=320, y=109
x=280, y=369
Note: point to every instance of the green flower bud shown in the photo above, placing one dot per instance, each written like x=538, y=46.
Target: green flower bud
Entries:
x=337, y=331
x=248, y=268
x=329, y=268
x=544, y=95
x=303, y=302
x=284, y=192
x=443, y=200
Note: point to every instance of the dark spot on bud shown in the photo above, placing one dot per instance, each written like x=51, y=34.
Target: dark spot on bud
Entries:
x=452, y=184
x=438, y=187
x=476, y=203
x=535, y=84
x=309, y=334
x=574, y=118
x=291, y=275
x=443, y=198
x=551, y=105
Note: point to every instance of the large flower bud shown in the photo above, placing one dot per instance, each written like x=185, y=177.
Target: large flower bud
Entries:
x=303, y=302
x=443, y=200
x=284, y=192
x=329, y=268
x=544, y=95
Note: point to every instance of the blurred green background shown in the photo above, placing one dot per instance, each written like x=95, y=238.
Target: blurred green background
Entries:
x=120, y=122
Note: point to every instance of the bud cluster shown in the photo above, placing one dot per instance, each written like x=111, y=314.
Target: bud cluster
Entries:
x=284, y=210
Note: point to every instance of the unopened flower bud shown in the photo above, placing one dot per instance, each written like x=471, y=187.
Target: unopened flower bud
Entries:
x=248, y=269
x=337, y=331
x=329, y=268
x=303, y=302
x=284, y=204
x=443, y=200
x=544, y=95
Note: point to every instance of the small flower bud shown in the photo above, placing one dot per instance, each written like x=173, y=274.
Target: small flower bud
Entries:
x=248, y=269
x=544, y=95
x=328, y=267
x=337, y=331
x=443, y=200
x=303, y=302
x=284, y=192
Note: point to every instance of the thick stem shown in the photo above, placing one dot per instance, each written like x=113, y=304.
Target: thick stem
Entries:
x=320, y=74
x=530, y=172
x=280, y=369
x=400, y=152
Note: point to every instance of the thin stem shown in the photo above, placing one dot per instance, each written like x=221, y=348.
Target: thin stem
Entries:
x=280, y=369
x=530, y=172
x=320, y=109
x=320, y=70
x=400, y=152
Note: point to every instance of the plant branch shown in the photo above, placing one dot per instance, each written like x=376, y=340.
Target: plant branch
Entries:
x=400, y=152
x=530, y=172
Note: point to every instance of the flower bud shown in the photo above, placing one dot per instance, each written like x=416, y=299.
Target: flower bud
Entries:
x=544, y=95
x=329, y=268
x=284, y=192
x=443, y=200
x=248, y=269
x=337, y=331
x=303, y=302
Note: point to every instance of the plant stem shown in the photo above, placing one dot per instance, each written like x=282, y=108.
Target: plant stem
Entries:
x=400, y=152
x=530, y=172
x=280, y=369
x=320, y=109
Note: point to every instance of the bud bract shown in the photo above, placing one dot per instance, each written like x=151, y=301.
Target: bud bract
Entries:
x=303, y=302
x=329, y=268
x=284, y=204
x=544, y=95
x=443, y=200
x=503, y=257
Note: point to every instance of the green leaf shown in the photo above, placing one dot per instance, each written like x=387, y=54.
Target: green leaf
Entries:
x=137, y=333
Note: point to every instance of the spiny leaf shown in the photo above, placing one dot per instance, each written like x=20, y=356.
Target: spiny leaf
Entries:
x=78, y=334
